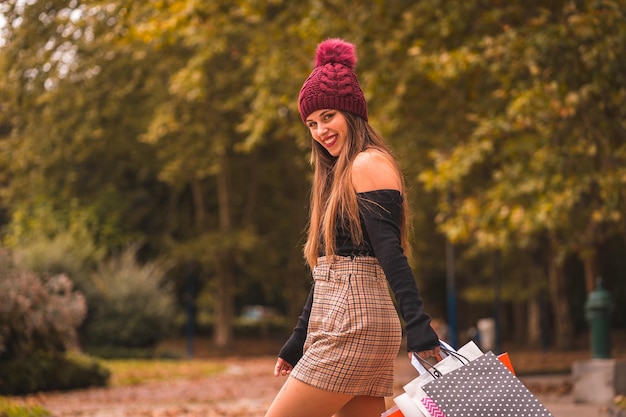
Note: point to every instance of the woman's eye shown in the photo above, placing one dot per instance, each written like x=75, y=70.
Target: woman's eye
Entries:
x=328, y=116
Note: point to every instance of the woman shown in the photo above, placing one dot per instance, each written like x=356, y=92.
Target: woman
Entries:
x=340, y=356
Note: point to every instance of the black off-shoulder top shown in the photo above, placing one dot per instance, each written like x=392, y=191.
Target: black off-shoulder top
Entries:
x=381, y=214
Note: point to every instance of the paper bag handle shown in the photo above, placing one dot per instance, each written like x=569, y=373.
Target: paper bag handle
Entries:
x=446, y=349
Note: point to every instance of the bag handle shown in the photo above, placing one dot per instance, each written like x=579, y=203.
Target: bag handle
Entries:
x=452, y=352
x=447, y=350
x=419, y=362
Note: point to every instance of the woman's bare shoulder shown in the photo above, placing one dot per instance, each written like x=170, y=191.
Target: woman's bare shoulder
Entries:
x=373, y=170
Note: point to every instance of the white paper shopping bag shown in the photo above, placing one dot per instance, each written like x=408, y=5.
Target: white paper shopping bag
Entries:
x=408, y=408
x=453, y=361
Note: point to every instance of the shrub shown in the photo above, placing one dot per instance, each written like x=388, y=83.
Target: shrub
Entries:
x=47, y=371
x=65, y=253
x=38, y=313
x=130, y=307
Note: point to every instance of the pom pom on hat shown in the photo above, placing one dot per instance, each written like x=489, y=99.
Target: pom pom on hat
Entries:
x=333, y=84
x=336, y=51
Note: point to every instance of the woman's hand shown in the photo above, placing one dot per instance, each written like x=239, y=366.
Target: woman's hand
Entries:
x=428, y=355
x=282, y=368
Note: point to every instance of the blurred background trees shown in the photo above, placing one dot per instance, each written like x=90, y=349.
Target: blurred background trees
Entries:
x=175, y=124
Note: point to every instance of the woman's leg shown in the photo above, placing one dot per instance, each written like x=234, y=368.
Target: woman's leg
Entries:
x=297, y=399
x=363, y=406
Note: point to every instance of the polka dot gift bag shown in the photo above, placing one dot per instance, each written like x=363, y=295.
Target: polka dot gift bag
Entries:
x=485, y=387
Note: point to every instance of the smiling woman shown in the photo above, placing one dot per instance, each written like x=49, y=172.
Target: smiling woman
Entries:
x=340, y=356
x=329, y=128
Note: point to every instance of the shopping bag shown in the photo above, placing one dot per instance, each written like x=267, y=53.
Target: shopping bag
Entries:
x=486, y=388
x=506, y=360
x=454, y=360
x=408, y=407
x=432, y=407
x=417, y=364
x=393, y=412
x=412, y=399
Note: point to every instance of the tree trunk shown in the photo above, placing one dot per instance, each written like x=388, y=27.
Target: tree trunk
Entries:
x=198, y=204
x=558, y=297
x=223, y=331
x=533, y=323
x=589, y=257
x=536, y=323
x=252, y=192
x=520, y=318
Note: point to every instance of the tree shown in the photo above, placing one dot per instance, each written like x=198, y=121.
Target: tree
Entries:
x=176, y=122
x=544, y=161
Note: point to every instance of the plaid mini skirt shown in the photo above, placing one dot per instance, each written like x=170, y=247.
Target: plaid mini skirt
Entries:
x=354, y=331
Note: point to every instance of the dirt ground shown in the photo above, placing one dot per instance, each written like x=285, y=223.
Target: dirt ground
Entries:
x=246, y=388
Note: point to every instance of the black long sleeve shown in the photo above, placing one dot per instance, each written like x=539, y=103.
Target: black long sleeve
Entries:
x=381, y=213
x=293, y=349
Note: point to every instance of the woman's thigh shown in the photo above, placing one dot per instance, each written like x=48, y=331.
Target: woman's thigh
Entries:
x=297, y=399
x=363, y=406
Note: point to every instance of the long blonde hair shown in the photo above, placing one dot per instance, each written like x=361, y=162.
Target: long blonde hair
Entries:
x=333, y=196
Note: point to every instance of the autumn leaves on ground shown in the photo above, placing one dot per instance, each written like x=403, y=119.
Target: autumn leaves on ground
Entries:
x=240, y=385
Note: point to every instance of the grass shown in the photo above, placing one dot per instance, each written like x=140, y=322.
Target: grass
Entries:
x=140, y=371
x=13, y=408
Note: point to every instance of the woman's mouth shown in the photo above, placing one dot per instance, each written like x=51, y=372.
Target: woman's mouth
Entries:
x=330, y=141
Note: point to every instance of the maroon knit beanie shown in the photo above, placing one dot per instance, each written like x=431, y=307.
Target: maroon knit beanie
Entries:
x=333, y=83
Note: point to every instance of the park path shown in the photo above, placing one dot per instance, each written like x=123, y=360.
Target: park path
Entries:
x=246, y=388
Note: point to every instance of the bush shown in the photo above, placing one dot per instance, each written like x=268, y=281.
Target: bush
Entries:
x=129, y=307
x=11, y=409
x=50, y=371
x=38, y=313
x=65, y=253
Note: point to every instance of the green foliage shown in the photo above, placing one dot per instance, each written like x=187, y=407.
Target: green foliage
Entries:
x=10, y=408
x=47, y=371
x=39, y=313
x=177, y=123
x=83, y=230
x=65, y=253
x=536, y=148
x=131, y=304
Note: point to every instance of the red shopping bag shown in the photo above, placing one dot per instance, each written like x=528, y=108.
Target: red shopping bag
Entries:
x=393, y=412
x=504, y=358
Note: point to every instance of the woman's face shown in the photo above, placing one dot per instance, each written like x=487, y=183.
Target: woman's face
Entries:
x=329, y=128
